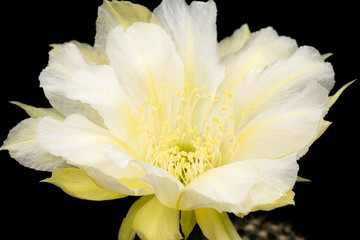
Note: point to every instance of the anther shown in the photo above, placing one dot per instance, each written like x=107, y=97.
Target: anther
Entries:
x=228, y=94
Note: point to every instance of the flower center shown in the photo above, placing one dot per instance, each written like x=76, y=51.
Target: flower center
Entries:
x=186, y=163
x=184, y=144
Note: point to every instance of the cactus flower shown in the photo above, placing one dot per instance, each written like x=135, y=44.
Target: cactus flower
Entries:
x=158, y=108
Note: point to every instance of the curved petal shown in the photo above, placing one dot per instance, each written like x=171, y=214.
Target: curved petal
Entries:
x=139, y=57
x=126, y=231
x=64, y=61
x=76, y=139
x=285, y=129
x=111, y=14
x=91, y=54
x=287, y=199
x=280, y=109
x=165, y=186
x=24, y=147
x=323, y=126
x=99, y=87
x=77, y=183
x=154, y=221
x=261, y=49
x=281, y=81
x=235, y=42
x=258, y=182
x=84, y=144
x=124, y=181
x=215, y=225
x=193, y=29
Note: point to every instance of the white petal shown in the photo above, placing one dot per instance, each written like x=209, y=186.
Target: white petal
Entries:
x=257, y=182
x=193, y=29
x=99, y=87
x=115, y=182
x=92, y=55
x=64, y=61
x=285, y=129
x=279, y=110
x=147, y=65
x=165, y=186
x=261, y=49
x=24, y=147
x=323, y=126
x=281, y=80
x=76, y=139
x=84, y=144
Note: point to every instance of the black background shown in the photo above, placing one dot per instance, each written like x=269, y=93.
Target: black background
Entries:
x=327, y=208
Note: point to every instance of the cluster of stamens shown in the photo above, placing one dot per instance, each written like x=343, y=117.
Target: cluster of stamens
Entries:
x=182, y=148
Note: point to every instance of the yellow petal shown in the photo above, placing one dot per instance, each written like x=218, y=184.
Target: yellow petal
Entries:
x=335, y=97
x=126, y=232
x=188, y=222
x=113, y=13
x=154, y=221
x=215, y=225
x=39, y=112
x=77, y=183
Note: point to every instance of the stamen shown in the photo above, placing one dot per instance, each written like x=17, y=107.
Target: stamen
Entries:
x=180, y=147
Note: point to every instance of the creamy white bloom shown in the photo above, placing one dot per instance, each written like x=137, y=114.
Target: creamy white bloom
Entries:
x=158, y=106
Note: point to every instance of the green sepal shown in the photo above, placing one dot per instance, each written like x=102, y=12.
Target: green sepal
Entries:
x=301, y=179
x=327, y=55
x=39, y=112
x=126, y=232
x=335, y=97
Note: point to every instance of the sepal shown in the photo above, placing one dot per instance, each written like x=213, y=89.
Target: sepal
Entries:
x=77, y=183
x=335, y=97
x=155, y=221
x=39, y=112
x=126, y=231
x=187, y=222
x=215, y=225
